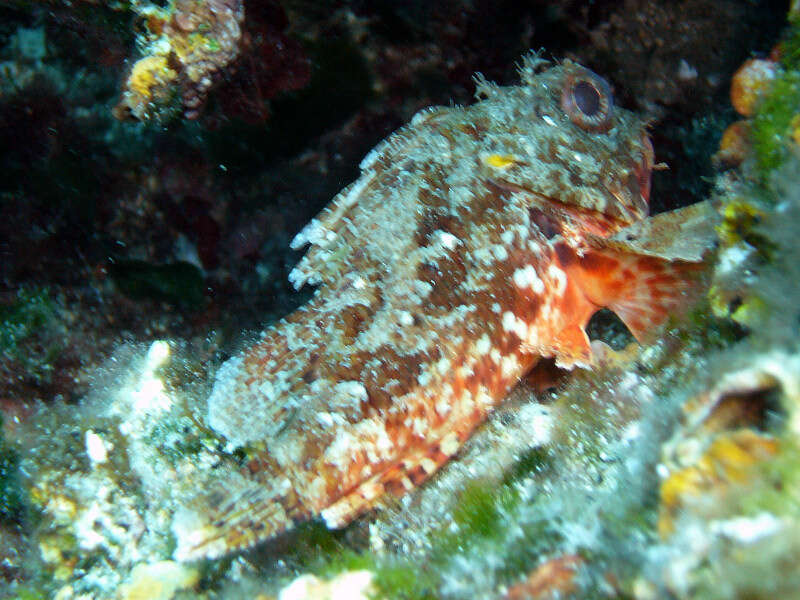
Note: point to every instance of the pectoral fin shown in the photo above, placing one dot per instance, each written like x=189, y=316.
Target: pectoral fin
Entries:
x=648, y=272
x=654, y=291
x=573, y=347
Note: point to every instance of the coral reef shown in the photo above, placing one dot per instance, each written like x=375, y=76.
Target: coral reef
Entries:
x=104, y=486
x=671, y=470
x=189, y=46
x=766, y=91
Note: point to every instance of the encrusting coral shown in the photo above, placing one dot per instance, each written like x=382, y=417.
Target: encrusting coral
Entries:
x=187, y=46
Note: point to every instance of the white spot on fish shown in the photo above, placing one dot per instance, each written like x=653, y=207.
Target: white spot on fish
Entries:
x=483, y=345
x=526, y=277
x=448, y=240
x=559, y=277
x=500, y=252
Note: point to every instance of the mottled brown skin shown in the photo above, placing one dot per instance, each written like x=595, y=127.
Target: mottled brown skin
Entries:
x=476, y=241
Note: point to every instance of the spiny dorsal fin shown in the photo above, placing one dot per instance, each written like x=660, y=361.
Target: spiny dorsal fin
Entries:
x=333, y=234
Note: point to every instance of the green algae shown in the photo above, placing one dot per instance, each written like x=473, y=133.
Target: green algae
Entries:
x=28, y=333
x=212, y=44
x=326, y=552
x=32, y=310
x=176, y=438
x=778, y=489
x=477, y=512
x=178, y=283
x=740, y=223
x=538, y=461
x=29, y=594
x=765, y=571
x=774, y=121
x=479, y=518
x=790, y=44
x=777, y=119
x=11, y=495
x=707, y=330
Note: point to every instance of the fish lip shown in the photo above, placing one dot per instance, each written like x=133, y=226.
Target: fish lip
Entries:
x=629, y=207
x=631, y=197
x=627, y=199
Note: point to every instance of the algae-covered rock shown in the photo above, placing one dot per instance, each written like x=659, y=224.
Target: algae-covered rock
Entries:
x=157, y=581
x=355, y=585
x=11, y=495
x=179, y=283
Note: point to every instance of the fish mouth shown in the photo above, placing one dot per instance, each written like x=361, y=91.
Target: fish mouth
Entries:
x=630, y=198
x=612, y=205
x=593, y=221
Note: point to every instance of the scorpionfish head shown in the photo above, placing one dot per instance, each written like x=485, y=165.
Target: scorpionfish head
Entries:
x=565, y=144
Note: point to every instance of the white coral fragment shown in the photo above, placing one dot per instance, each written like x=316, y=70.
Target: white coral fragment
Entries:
x=350, y=585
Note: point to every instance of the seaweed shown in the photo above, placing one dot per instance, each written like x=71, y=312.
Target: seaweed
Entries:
x=28, y=333
x=775, y=123
x=32, y=310
x=776, y=126
x=178, y=283
x=11, y=496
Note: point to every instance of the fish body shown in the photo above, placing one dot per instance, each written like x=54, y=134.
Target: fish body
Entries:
x=476, y=241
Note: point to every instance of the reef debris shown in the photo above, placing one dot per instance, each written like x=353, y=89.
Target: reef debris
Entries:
x=349, y=584
x=552, y=579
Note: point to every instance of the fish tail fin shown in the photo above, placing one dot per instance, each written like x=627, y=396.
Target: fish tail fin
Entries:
x=228, y=521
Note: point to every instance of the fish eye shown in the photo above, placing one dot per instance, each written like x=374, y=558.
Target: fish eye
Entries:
x=587, y=101
x=587, y=98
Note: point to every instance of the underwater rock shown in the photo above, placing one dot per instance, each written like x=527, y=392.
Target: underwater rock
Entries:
x=192, y=46
x=728, y=465
x=349, y=585
x=722, y=450
x=729, y=474
x=187, y=46
x=157, y=581
x=106, y=479
x=767, y=92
